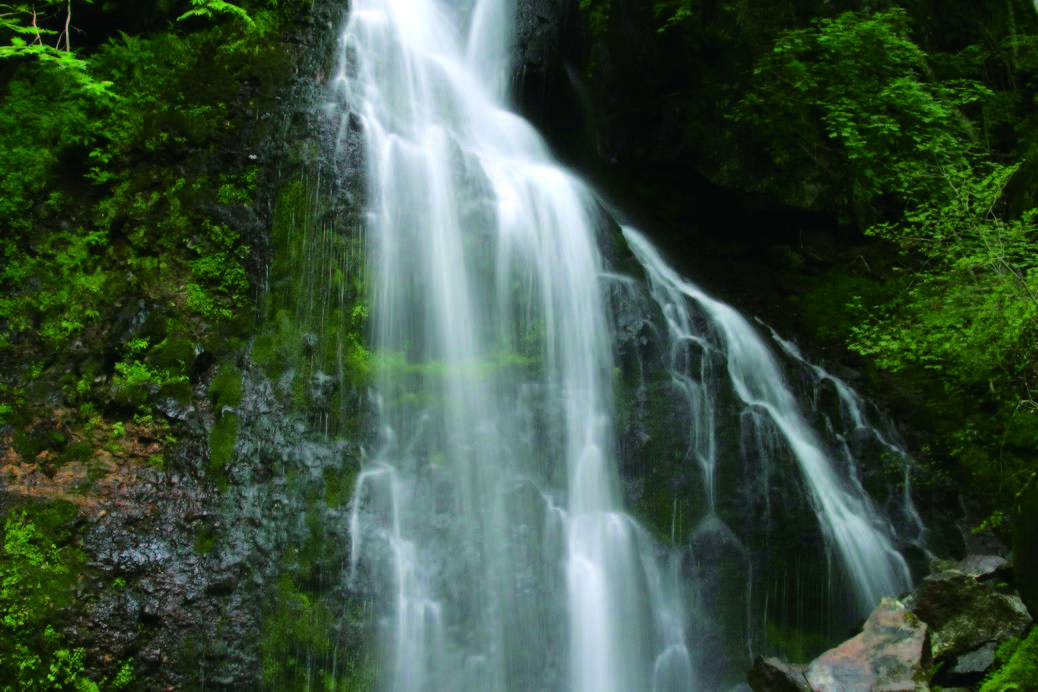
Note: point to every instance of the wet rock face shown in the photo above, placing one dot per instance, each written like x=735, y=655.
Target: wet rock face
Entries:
x=155, y=596
x=892, y=653
x=181, y=572
x=975, y=663
x=547, y=56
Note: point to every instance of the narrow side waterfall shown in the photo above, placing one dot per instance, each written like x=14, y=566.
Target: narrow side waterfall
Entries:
x=864, y=546
x=489, y=518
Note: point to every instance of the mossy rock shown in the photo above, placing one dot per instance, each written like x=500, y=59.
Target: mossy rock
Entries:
x=173, y=353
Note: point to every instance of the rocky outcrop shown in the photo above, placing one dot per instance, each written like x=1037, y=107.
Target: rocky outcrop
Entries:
x=957, y=617
x=547, y=56
x=193, y=567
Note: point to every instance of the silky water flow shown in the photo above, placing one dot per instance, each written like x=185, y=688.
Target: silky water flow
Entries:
x=490, y=512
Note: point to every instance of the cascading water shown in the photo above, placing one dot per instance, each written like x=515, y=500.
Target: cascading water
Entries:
x=490, y=516
x=844, y=511
x=494, y=497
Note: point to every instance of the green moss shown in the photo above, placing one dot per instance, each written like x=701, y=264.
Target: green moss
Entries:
x=263, y=350
x=77, y=452
x=315, y=313
x=339, y=485
x=205, y=541
x=172, y=353
x=1019, y=669
x=226, y=388
x=796, y=645
x=26, y=445
x=222, y=439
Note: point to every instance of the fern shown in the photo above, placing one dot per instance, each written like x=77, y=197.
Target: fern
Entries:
x=210, y=8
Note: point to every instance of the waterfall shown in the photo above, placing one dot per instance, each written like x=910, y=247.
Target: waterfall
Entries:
x=489, y=518
x=494, y=495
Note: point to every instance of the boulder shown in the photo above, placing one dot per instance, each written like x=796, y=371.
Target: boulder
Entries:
x=963, y=612
x=891, y=654
x=773, y=675
x=976, y=662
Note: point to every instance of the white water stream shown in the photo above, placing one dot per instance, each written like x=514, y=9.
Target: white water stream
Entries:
x=490, y=518
x=496, y=378
x=844, y=510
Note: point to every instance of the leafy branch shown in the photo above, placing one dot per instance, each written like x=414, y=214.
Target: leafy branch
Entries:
x=26, y=40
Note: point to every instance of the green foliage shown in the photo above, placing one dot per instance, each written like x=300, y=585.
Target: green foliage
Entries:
x=37, y=579
x=144, y=372
x=79, y=287
x=106, y=199
x=673, y=12
x=29, y=28
x=598, y=14
x=972, y=309
x=221, y=285
x=970, y=318
x=211, y=8
x=853, y=99
x=858, y=118
x=832, y=309
x=39, y=119
x=1019, y=666
x=971, y=312
x=125, y=677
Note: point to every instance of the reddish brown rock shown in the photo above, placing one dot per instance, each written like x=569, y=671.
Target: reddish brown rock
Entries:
x=117, y=463
x=892, y=654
